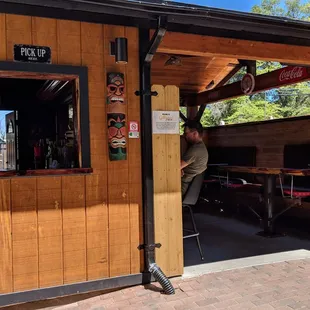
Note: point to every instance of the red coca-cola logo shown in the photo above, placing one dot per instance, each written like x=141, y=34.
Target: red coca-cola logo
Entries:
x=291, y=73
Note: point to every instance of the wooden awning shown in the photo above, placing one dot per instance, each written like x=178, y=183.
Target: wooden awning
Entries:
x=192, y=74
x=208, y=62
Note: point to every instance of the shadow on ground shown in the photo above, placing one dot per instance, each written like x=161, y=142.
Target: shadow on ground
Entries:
x=227, y=235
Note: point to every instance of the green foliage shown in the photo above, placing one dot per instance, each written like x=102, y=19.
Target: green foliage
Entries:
x=258, y=110
x=293, y=9
x=207, y=119
x=269, y=7
x=184, y=112
x=293, y=100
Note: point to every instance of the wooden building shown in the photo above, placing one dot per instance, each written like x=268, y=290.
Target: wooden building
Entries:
x=75, y=224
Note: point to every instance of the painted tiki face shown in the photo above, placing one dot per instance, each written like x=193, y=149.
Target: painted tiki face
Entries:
x=117, y=136
x=115, y=89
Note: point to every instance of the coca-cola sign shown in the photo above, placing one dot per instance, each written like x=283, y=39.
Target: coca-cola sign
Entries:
x=290, y=74
x=275, y=79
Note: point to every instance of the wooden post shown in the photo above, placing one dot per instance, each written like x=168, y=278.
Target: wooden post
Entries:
x=167, y=188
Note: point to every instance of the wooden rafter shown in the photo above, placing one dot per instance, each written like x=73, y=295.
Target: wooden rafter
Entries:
x=229, y=75
x=220, y=84
x=191, y=44
x=184, y=118
x=195, y=74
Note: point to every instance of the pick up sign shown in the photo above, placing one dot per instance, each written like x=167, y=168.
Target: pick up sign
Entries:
x=30, y=53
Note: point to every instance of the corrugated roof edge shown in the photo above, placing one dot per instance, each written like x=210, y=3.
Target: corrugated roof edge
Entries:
x=183, y=18
x=154, y=7
x=191, y=8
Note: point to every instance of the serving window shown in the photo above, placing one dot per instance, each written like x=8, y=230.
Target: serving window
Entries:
x=42, y=124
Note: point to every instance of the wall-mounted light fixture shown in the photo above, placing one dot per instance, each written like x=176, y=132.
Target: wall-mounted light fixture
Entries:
x=174, y=61
x=119, y=49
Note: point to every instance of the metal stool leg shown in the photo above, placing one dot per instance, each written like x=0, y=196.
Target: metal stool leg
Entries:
x=196, y=232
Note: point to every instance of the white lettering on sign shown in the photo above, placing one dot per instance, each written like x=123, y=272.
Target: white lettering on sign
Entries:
x=41, y=52
x=29, y=52
x=291, y=74
x=32, y=52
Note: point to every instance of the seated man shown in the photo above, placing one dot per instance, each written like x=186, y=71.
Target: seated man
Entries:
x=183, y=145
x=194, y=161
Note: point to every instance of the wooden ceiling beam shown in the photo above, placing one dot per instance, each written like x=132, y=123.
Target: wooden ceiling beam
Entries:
x=184, y=118
x=198, y=45
x=229, y=75
x=196, y=74
x=220, y=84
x=214, y=72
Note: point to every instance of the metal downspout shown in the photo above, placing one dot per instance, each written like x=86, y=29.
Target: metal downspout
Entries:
x=147, y=50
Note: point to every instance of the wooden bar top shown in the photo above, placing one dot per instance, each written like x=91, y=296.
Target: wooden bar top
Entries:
x=43, y=172
x=266, y=170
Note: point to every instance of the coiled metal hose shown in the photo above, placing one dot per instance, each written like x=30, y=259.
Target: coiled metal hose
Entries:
x=162, y=279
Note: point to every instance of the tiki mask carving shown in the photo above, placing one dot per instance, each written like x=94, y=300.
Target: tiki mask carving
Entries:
x=117, y=136
x=116, y=89
x=116, y=117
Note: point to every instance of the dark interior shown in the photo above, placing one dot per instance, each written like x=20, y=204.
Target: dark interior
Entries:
x=297, y=156
x=232, y=156
x=41, y=118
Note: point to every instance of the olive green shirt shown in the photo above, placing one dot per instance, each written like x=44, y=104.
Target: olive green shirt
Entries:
x=197, y=159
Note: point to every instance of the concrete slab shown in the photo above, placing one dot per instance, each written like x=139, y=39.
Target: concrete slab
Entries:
x=199, y=270
x=228, y=243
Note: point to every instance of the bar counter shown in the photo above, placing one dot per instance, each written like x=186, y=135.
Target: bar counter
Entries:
x=44, y=172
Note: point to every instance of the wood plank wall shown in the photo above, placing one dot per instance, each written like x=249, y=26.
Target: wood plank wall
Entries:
x=66, y=229
x=268, y=137
x=167, y=188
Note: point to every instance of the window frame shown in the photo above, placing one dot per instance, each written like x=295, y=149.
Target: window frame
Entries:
x=79, y=74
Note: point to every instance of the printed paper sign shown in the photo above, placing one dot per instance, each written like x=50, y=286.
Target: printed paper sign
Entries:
x=166, y=122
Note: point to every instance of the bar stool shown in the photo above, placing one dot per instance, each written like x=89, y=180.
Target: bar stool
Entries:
x=190, y=199
x=293, y=193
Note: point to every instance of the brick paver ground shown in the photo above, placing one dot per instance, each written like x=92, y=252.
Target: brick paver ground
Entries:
x=278, y=286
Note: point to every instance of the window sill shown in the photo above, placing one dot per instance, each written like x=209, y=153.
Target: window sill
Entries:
x=45, y=172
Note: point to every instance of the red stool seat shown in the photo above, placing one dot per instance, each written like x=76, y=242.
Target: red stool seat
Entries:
x=297, y=194
x=253, y=185
x=210, y=181
x=233, y=185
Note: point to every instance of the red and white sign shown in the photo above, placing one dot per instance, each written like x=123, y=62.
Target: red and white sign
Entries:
x=133, y=129
x=291, y=74
x=277, y=78
x=247, y=83
x=133, y=126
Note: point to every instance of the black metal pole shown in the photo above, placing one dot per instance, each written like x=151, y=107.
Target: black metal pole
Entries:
x=146, y=147
x=269, y=201
x=270, y=216
x=147, y=51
